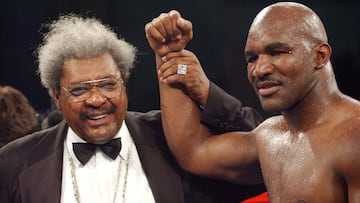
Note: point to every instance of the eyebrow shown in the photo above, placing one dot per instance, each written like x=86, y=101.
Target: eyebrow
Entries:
x=95, y=80
x=276, y=45
x=268, y=48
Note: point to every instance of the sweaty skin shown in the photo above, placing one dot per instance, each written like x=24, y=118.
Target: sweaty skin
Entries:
x=310, y=152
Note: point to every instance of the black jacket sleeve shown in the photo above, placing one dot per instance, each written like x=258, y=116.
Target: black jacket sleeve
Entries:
x=224, y=113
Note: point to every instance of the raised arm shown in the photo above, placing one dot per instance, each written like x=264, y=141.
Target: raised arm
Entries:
x=221, y=112
x=231, y=156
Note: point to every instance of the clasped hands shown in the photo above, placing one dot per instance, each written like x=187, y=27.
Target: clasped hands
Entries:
x=167, y=35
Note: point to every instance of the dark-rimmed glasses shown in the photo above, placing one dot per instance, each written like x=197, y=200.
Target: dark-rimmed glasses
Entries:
x=81, y=91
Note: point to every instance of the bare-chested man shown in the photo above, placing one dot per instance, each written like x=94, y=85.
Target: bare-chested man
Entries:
x=309, y=153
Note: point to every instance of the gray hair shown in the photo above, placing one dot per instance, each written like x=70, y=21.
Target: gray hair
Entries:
x=73, y=36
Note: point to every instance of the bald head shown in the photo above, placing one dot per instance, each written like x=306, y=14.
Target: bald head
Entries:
x=289, y=20
x=287, y=42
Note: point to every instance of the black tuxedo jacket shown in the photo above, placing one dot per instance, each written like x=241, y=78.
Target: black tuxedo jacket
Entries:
x=31, y=168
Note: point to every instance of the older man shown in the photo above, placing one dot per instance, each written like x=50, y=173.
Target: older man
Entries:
x=101, y=152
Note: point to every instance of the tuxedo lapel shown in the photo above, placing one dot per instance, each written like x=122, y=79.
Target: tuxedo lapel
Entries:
x=41, y=182
x=155, y=158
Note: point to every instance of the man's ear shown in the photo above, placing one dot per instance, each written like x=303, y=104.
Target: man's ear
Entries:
x=56, y=99
x=322, y=55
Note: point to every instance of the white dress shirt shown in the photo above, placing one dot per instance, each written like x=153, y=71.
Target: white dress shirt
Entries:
x=98, y=178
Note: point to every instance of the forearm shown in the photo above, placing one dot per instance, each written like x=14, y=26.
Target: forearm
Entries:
x=181, y=122
x=229, y=156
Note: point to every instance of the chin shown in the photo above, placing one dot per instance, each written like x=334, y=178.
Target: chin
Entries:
x=100, y=136
x=270, y=107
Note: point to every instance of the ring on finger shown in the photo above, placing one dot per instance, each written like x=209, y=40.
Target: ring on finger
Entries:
x=181, y=69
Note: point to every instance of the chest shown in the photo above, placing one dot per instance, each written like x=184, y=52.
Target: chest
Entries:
x=105, y=180
x=300, y=169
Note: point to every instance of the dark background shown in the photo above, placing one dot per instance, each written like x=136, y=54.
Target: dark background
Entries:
x=220, y=29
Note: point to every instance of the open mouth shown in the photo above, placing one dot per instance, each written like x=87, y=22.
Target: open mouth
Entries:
x=97, y=117
x=98, y=120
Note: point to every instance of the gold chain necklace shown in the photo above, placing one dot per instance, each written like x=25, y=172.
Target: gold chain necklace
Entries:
x=75, y=185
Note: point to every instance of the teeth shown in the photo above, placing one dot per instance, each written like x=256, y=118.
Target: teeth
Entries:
x=98, y=117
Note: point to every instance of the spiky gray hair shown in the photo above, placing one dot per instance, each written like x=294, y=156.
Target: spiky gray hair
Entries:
x=74, y=36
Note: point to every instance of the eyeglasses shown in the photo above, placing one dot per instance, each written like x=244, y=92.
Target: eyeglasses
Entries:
x=81, y=91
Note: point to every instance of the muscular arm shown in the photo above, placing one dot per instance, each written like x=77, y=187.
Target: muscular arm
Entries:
x=231, y=156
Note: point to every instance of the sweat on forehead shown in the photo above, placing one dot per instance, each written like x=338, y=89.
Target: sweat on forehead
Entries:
x=290, y=18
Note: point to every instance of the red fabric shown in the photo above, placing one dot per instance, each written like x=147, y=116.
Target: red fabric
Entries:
x=262, y=198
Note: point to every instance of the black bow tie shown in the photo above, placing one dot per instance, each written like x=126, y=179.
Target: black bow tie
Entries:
x=84, y=151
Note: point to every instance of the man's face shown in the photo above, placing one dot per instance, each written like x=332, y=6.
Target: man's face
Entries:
x=280, y=65
x=97, y=118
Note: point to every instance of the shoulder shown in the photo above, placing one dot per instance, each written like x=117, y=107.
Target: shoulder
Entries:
x=21, y=145
x=150, y=116
x=14, y=156
x=274, y=123
x=270, y=132
x=20, y=155
x=148, y=119
x=345, y=134
x=346, y=129
x=17, y=152
x=346, y=151
x=346, y=124
x=149, y=122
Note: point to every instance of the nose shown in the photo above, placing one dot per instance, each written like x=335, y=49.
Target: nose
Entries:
x=262, y=67
x=96, y=98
